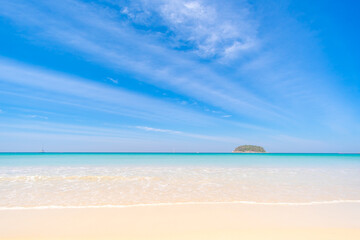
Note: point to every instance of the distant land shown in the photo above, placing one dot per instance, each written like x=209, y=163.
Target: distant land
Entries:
x=249, y=149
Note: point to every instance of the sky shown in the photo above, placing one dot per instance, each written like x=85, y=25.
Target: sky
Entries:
x=179, y=75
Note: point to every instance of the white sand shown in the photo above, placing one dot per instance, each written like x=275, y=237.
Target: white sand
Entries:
x=196, y=221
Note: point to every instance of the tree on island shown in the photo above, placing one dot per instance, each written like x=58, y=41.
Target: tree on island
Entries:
x=249, y=149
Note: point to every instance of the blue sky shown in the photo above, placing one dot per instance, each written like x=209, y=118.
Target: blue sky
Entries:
x=198, y=76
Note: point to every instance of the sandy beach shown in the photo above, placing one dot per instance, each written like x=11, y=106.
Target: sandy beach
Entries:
x=179, y=120
x=190, y=221
x=312, y=197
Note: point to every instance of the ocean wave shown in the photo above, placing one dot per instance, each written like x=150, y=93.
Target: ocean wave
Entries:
x=63, y=187
x=38, y=178
x=184, y=203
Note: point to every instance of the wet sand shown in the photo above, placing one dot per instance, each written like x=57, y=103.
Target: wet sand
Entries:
x=192, y=221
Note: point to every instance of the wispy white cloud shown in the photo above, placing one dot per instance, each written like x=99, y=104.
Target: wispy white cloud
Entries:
x=115, y=81
x=41, y=126
x=154, y=41
x=192, y=135
x=206, y=28
x=85, y=94
x=151, y=62
x=69, y=137
x=37, y=116
x=158, y=130
x=75, y=137
x=103, y=98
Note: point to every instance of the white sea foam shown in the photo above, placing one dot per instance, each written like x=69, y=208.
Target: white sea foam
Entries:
x=185, y=203
x=111, y=186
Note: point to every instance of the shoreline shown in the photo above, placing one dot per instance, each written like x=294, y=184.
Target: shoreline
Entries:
x=312, y=203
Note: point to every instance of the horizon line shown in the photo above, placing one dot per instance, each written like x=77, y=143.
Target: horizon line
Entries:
x=187, y=152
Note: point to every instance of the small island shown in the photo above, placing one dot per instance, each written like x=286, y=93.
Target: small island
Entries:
x=249, y=149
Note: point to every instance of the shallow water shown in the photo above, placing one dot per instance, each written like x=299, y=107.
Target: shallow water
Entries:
x=74, y=180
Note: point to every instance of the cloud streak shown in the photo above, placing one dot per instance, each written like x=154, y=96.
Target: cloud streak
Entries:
x=197, y=26
x=191, y=135
x=198, y=66
x=162, y=67
x=78, y=92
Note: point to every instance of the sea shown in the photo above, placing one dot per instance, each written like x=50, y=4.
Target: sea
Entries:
x=86, y=180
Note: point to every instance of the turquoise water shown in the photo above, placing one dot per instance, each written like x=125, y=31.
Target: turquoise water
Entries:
x=182, y=159
x=32, y=180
